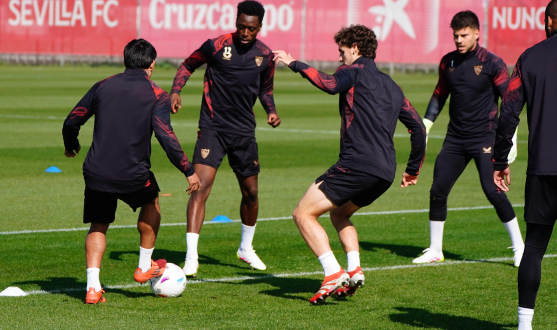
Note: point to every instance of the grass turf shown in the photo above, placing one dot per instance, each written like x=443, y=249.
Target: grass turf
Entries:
x=35, y=100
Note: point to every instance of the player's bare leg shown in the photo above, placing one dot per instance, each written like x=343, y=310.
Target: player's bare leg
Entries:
x=249, y=208
x=95, y=246
x=148, y=224
x=311, y=206
x=196, y=216
x=340, y=217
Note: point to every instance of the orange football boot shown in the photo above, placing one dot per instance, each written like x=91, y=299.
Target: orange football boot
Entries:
x=330, y=285
x=157, y=268
x=94, y=297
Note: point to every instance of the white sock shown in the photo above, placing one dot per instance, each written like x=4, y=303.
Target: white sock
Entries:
x=145, y=258
x=525, y=316
x=329, y=263
x=93, y=279
x=436, y=235
x=353, y=260
x=191, y=240
x=247, y=238
x=514, y=233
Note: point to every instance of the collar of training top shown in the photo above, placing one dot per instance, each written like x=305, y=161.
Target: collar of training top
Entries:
x=363, y=59
x=136, y=72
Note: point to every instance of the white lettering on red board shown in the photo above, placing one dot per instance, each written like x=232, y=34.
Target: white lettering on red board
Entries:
x=164, y=14
x=514, y=18
x=59, y=13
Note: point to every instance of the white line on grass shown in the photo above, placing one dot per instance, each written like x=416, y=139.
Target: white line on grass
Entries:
x=284, y=275
x=266, y=129
x=262, y=219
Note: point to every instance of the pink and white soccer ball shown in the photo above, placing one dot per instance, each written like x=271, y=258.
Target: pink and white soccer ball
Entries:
x=171, y=283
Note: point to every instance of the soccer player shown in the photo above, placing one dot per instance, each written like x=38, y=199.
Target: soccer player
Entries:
x=534, y=82
x=475, y=78
x=370, y=104
x=240, y=68
x=128, y=107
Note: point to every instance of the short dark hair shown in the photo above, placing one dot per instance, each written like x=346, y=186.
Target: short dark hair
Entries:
x=465, y=19
x=251, y=8
x=360, y=35
x=551, y=10
x=139, y=54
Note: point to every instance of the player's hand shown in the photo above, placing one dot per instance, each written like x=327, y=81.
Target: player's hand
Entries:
x=408, y=180
x=281, y=56
x=499, y=178
x=194, y=182
x=273, y=119
x=175, y=102
x=72, y=153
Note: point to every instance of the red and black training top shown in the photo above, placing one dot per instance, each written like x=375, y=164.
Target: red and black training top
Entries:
x=369, y=104
x=236, y=75
x=128, y=107
x=534, y=83
x=475, y=82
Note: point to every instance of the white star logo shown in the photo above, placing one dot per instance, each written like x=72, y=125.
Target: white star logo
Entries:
x=392, y=11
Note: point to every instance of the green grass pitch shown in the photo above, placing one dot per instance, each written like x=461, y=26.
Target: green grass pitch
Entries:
x=462, y=293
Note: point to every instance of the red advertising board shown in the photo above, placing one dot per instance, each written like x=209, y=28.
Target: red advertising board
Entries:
x=514, y=26
x=99, y=27
x=178, y=27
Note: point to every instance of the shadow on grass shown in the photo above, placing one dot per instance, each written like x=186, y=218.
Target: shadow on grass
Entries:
x=287, y=288
x=421, y=318
x=407, y=251
x=175, y=257
x=71, y=287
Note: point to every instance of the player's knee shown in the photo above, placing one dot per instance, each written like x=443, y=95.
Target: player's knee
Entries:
x=297, y=215
x=437, y=200
x=250, y=194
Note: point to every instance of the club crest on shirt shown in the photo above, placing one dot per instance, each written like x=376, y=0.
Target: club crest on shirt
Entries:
x=487, y=150
x=205, y=153
x=259, y=60
x=478, y=69
x=227, y=54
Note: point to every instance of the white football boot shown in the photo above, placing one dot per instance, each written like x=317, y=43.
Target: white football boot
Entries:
x=190, y=267
x=429, y=256
x=251, y=258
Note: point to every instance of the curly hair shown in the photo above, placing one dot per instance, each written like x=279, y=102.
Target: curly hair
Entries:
x=465, y=19
x=360, y=35
x=251, y=8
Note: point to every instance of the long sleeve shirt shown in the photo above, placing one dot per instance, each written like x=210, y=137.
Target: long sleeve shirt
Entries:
x=534, y=83
x=236, y=75
x=475, y=82
x=128, y=108
x=370, y=103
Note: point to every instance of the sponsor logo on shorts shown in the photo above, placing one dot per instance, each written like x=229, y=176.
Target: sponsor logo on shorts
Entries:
x=255, y=163
x=258, y=60
x=478, y=69
x=148, y=183
x=205, y=153
x=487, y=150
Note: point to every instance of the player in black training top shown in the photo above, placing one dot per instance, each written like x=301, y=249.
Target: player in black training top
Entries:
x=240, y=68
x=534, y=82
x=475, y=78
x=128, y=107
x=370, y=105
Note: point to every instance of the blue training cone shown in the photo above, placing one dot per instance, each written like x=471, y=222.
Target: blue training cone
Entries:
x=221, y=218
x=53, y=169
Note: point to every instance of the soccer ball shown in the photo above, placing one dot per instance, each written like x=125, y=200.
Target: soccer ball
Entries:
x=171, y=283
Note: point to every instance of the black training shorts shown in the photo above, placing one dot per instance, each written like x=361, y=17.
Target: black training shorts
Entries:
x=541, y=199
x=212, y=146
x=101, y=206
x=341, y=185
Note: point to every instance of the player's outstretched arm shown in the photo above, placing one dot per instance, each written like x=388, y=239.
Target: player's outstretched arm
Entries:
x=438, y=99
x=343, y=79
x=190, y=64
x=77, y=117
x=411, y=119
